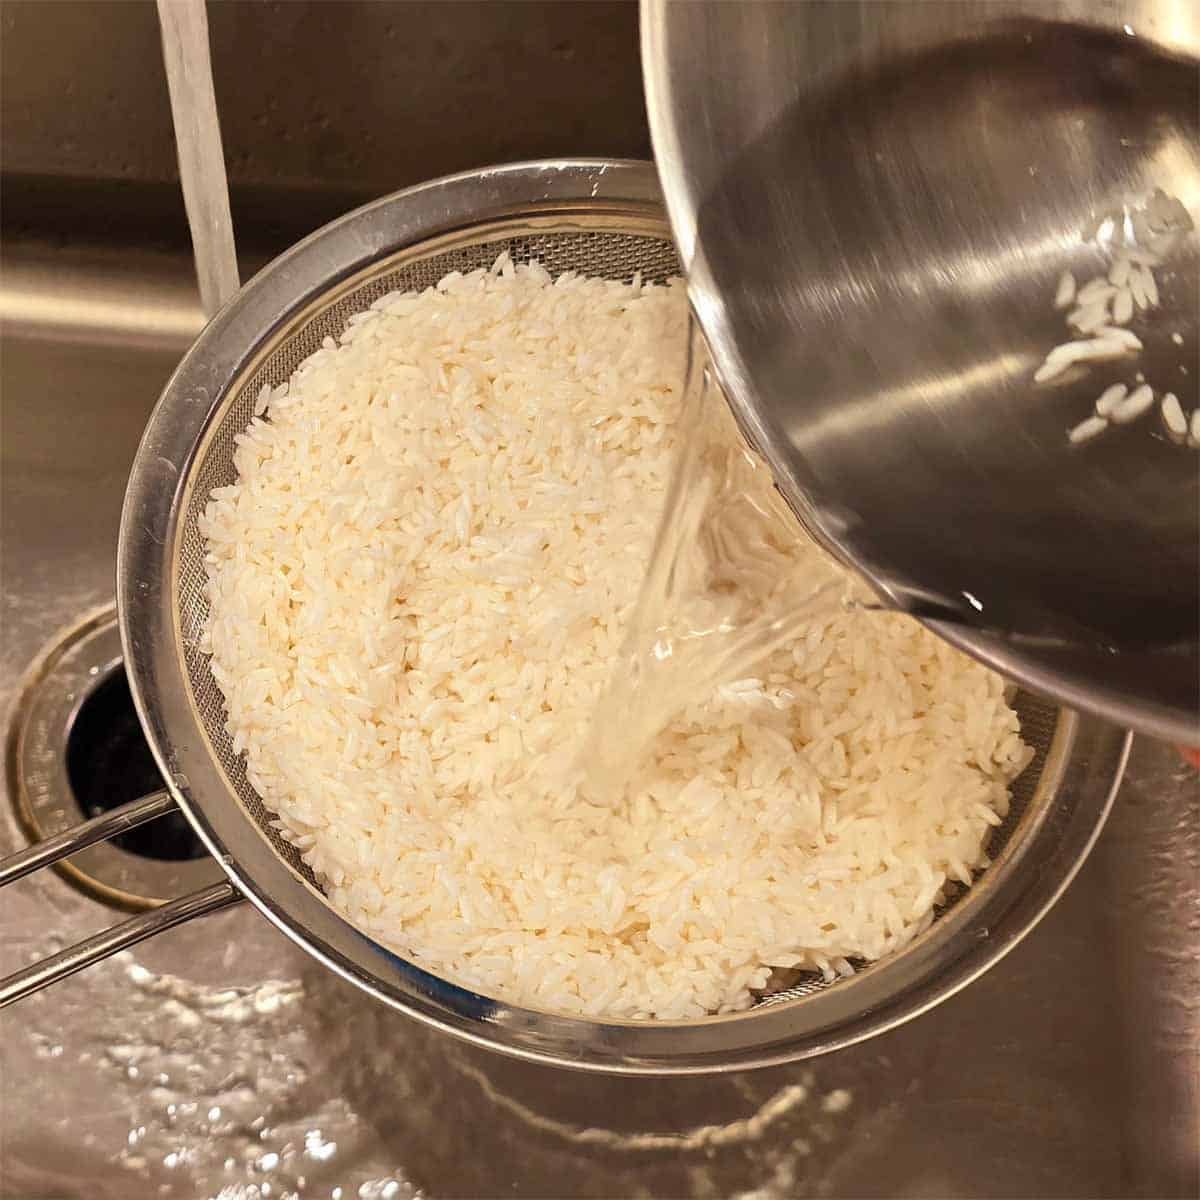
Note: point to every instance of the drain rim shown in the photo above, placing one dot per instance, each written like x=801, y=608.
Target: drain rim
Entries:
x=48, y=700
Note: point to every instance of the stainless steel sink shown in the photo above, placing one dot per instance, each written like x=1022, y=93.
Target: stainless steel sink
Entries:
x=220, y=1057
x=217, y=1060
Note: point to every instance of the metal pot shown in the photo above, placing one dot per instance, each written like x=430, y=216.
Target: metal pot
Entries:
x=874, y=204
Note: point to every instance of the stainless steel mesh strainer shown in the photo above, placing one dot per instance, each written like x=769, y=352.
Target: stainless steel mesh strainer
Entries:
x=599, y=218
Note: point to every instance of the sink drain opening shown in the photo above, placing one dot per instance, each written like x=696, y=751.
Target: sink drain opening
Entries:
x=109, y=764
x=75, y=750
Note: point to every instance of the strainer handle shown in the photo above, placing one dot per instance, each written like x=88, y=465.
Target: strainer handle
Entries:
x=120, y=937
x=88, y=833
x=101, y=945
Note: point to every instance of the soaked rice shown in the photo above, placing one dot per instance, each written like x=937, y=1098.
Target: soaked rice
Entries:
x=418, y=584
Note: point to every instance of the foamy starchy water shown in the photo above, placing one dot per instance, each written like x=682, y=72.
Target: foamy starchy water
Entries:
x=420, y=583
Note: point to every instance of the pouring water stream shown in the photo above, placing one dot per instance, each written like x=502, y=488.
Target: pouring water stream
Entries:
x=724, y=589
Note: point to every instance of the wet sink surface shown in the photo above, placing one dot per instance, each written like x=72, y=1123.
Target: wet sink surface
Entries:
x=218, y=1060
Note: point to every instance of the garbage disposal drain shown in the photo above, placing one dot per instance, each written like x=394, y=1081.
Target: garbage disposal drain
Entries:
x=75, y=749
x=109, y=763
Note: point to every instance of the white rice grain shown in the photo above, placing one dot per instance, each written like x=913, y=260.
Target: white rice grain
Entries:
x=1138, y=402
x=1089, y=319
x=1110, y=398
x=1112, y=335
x=1087, y=429
x=1052, y=368
x=1109, y=343
x=1172, y=415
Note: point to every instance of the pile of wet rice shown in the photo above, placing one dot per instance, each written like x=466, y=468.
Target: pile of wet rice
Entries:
x=418, y=586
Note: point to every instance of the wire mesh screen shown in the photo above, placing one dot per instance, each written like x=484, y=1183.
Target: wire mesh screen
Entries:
x=604, y=253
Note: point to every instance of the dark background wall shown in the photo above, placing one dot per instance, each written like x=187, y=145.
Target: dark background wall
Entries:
x=324, y=103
